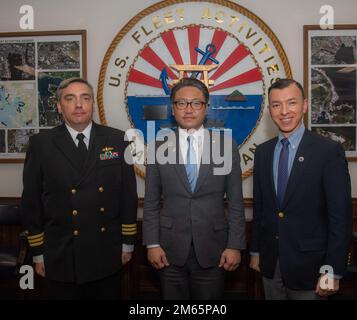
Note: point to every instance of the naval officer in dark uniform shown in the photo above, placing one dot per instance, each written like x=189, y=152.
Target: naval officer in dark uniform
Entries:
x=79, y=200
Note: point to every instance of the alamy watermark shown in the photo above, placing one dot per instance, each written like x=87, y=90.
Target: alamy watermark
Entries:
x=26, y=21
x=327, y=278
x=163, y=148
x=27, y=280
x=327, y=20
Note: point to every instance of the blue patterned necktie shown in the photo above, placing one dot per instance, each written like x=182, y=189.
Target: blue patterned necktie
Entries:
x=283, y=170
x=191, y=165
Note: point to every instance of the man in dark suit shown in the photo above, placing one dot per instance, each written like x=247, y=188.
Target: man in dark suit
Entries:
x=189, y=238
x=302, y=204
x=79, y=200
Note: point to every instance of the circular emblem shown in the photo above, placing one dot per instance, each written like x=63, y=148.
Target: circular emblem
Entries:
x=221, y=43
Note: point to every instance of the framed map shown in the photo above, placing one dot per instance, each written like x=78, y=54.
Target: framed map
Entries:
x=330, y=83
x=32, y=65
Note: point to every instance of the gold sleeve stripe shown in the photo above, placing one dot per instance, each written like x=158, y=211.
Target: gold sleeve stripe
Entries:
x=127, y=233
x=36, y=236
x=36, y=240
x=36, y=244
x=128, y=229
x=129, y=225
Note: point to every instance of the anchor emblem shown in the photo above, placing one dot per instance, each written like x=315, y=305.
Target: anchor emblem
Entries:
x=206, y=55
x=195, y=69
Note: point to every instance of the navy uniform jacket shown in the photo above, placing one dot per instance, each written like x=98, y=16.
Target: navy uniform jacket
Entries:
x=78, y=216
x=313, y=226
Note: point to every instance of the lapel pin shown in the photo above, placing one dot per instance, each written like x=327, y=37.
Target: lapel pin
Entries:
x=301, y=159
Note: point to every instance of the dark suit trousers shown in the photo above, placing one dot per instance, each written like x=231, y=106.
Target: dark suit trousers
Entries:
x=191, y=281
x=103, y=289
x=275, y=289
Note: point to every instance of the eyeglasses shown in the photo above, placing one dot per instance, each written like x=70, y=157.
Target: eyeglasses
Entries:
x=195, y=104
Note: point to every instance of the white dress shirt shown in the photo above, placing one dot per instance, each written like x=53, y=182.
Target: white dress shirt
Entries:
x=86, y=133
x=198, y=137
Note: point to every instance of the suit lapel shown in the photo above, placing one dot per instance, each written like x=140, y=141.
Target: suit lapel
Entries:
x=179, y=165
x=299, y=164
x=205, y=167
x=66, y=145
x=181, y=172
x=270, y=169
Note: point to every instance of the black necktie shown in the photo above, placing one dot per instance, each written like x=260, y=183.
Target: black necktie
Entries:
x=82, y=148
x=283, y=170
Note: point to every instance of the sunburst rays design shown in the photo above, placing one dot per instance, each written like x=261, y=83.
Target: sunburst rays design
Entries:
x=237, y=66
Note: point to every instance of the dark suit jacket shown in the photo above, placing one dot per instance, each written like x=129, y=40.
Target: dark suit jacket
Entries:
x=314, y=225
x=197, y=217
x=79, y=216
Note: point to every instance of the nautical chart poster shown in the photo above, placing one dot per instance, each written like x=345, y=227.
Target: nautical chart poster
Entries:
x=330, y=83
x=237, y=53
x=32, y=65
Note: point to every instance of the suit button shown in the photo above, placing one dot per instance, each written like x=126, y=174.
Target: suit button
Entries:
x=101, y=209
x=100, y=189
x=281, y=215
x=102, y=229
x=73, y=191
x=276, y=237
x=74, y=212
x=76, y=232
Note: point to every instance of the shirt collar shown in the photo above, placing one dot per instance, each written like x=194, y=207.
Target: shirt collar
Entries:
x=295, y=137
x=197, y=134
x=74, y=132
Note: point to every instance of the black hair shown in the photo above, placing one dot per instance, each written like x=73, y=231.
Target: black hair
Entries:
x=190, y=82
x=284, y=83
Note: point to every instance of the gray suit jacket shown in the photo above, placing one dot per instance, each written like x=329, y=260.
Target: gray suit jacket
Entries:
x=184, y=217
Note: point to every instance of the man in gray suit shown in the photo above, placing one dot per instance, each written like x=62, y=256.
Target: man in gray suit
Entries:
x=190, y=238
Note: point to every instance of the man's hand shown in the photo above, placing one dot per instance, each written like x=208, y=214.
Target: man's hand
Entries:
x=126, y=257
x=40, y=269
x=254, y=262
x=327, y=285
x=230, y=259
x=157, y=257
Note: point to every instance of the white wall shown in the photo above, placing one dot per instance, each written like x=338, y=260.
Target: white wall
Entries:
x=103, y=19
